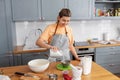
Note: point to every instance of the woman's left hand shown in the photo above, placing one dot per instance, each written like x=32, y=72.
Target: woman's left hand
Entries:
x=77, y=58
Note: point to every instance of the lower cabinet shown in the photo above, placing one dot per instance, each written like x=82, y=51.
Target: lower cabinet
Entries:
x=24, y=58
x=6, y=60
x=109, y=58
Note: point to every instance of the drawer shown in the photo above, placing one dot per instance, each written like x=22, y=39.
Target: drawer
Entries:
x=107, y=49
x=113, y=67
x=107, y=58
x=108, y=53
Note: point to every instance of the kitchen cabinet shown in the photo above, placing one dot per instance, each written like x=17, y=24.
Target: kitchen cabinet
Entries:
x=32, y=10
x=25, y=10
x=106, y=9
x=51, y=8
x=46, y=10
x=81, y=9
x=6, y=32
x=30, y=56
x=24, y=58
x=109, y=58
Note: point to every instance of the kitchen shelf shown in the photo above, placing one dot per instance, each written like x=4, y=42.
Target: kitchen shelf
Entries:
x=106, y=9
x=107, y=1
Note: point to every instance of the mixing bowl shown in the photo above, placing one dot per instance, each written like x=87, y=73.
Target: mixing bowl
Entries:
x=38, y=65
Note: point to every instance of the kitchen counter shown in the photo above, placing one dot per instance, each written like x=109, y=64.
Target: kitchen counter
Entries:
x=20, y=50
x=97, y=73
x=97, y=44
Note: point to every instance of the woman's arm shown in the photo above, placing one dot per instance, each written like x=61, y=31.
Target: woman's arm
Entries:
x=73, y=51
x=44, y=44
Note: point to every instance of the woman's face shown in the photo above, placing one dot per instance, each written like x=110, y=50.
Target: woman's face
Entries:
x=63, y=21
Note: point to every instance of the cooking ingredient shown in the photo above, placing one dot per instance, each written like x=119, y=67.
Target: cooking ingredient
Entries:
x=66, y=76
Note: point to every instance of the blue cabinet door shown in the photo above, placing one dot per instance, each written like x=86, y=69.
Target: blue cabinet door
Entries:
x=25, y=10
x=51, y=8
x=81, y=9
x=6, y=58
x=3, y=29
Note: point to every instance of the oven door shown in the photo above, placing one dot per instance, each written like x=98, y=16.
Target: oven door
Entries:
x=86, y=54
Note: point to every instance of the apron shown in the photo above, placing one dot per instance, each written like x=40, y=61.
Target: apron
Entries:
x=62, y=42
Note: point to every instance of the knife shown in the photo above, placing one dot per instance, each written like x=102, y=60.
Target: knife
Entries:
x=25, y=74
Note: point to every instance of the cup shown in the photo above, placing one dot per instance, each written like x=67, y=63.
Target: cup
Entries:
x=65, y=63
x=53, y=76
x=86, y=63
x=77, y=72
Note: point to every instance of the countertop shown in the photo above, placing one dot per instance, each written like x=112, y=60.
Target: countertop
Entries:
x=97, y=73
x=20, y=50
x=97, y=44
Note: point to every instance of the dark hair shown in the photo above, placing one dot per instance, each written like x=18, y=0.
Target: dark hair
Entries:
x=65, y=12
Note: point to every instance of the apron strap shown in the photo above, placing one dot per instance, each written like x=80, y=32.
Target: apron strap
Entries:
x=56, y=30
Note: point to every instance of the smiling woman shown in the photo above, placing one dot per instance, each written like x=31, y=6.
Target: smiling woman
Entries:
x=58, y=36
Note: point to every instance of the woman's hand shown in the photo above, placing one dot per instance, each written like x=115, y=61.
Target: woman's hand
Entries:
x=77, y=58
x=54, y=48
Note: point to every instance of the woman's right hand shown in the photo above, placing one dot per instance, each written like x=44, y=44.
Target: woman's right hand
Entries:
x=54, y=48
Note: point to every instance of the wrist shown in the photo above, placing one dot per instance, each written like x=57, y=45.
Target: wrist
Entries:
x=49, y=47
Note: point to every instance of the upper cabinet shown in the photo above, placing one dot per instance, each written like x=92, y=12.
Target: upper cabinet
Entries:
x=25, y=10
x=31, y=10
x=50, y=8
x=106, y=9
x=81, y=9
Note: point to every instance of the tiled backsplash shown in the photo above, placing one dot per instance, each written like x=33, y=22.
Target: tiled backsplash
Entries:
x=82, y=30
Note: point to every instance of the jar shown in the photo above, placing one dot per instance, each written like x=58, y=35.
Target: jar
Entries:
x=118, y=11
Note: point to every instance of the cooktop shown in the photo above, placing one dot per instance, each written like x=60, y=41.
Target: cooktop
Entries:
x=84, y=43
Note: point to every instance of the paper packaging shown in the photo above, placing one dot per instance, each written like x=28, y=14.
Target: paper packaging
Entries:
x=4, y=77
x=55, y=54
x=76, y=72
x=86, y=63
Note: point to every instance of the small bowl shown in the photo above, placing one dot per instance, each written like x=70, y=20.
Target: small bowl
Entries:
x=65, y=63
x=38, y=65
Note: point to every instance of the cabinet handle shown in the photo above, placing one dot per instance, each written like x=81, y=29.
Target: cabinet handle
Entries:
x=113, y=53
x=111, y=65
x=112, y=47
x=42, y=18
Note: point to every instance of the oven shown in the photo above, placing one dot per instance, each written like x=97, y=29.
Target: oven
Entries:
x=81, y=52
x=84, y=51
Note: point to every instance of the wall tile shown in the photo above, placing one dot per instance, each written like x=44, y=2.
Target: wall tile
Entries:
x=82, y=30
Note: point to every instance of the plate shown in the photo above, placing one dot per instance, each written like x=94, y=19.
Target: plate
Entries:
x=60, y=67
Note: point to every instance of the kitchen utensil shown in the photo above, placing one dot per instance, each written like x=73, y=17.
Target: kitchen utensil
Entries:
x=86, y=63
x=65, y=63
x=53, y=76
x=76, y=72
x=38, y=65
x=106, y=37
x=60, y=67
x=25, y=74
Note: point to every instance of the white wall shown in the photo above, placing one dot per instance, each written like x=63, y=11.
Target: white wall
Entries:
x=82, y=30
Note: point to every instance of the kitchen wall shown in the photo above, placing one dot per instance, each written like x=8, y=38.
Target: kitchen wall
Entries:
x=82, y=30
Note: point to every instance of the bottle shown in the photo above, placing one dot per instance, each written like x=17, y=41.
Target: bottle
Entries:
x=104, y=11
x=118, y=11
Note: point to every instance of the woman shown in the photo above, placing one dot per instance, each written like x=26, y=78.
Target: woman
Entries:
x=58, y=36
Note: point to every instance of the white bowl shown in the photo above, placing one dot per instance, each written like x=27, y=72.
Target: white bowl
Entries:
x=38, y=65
